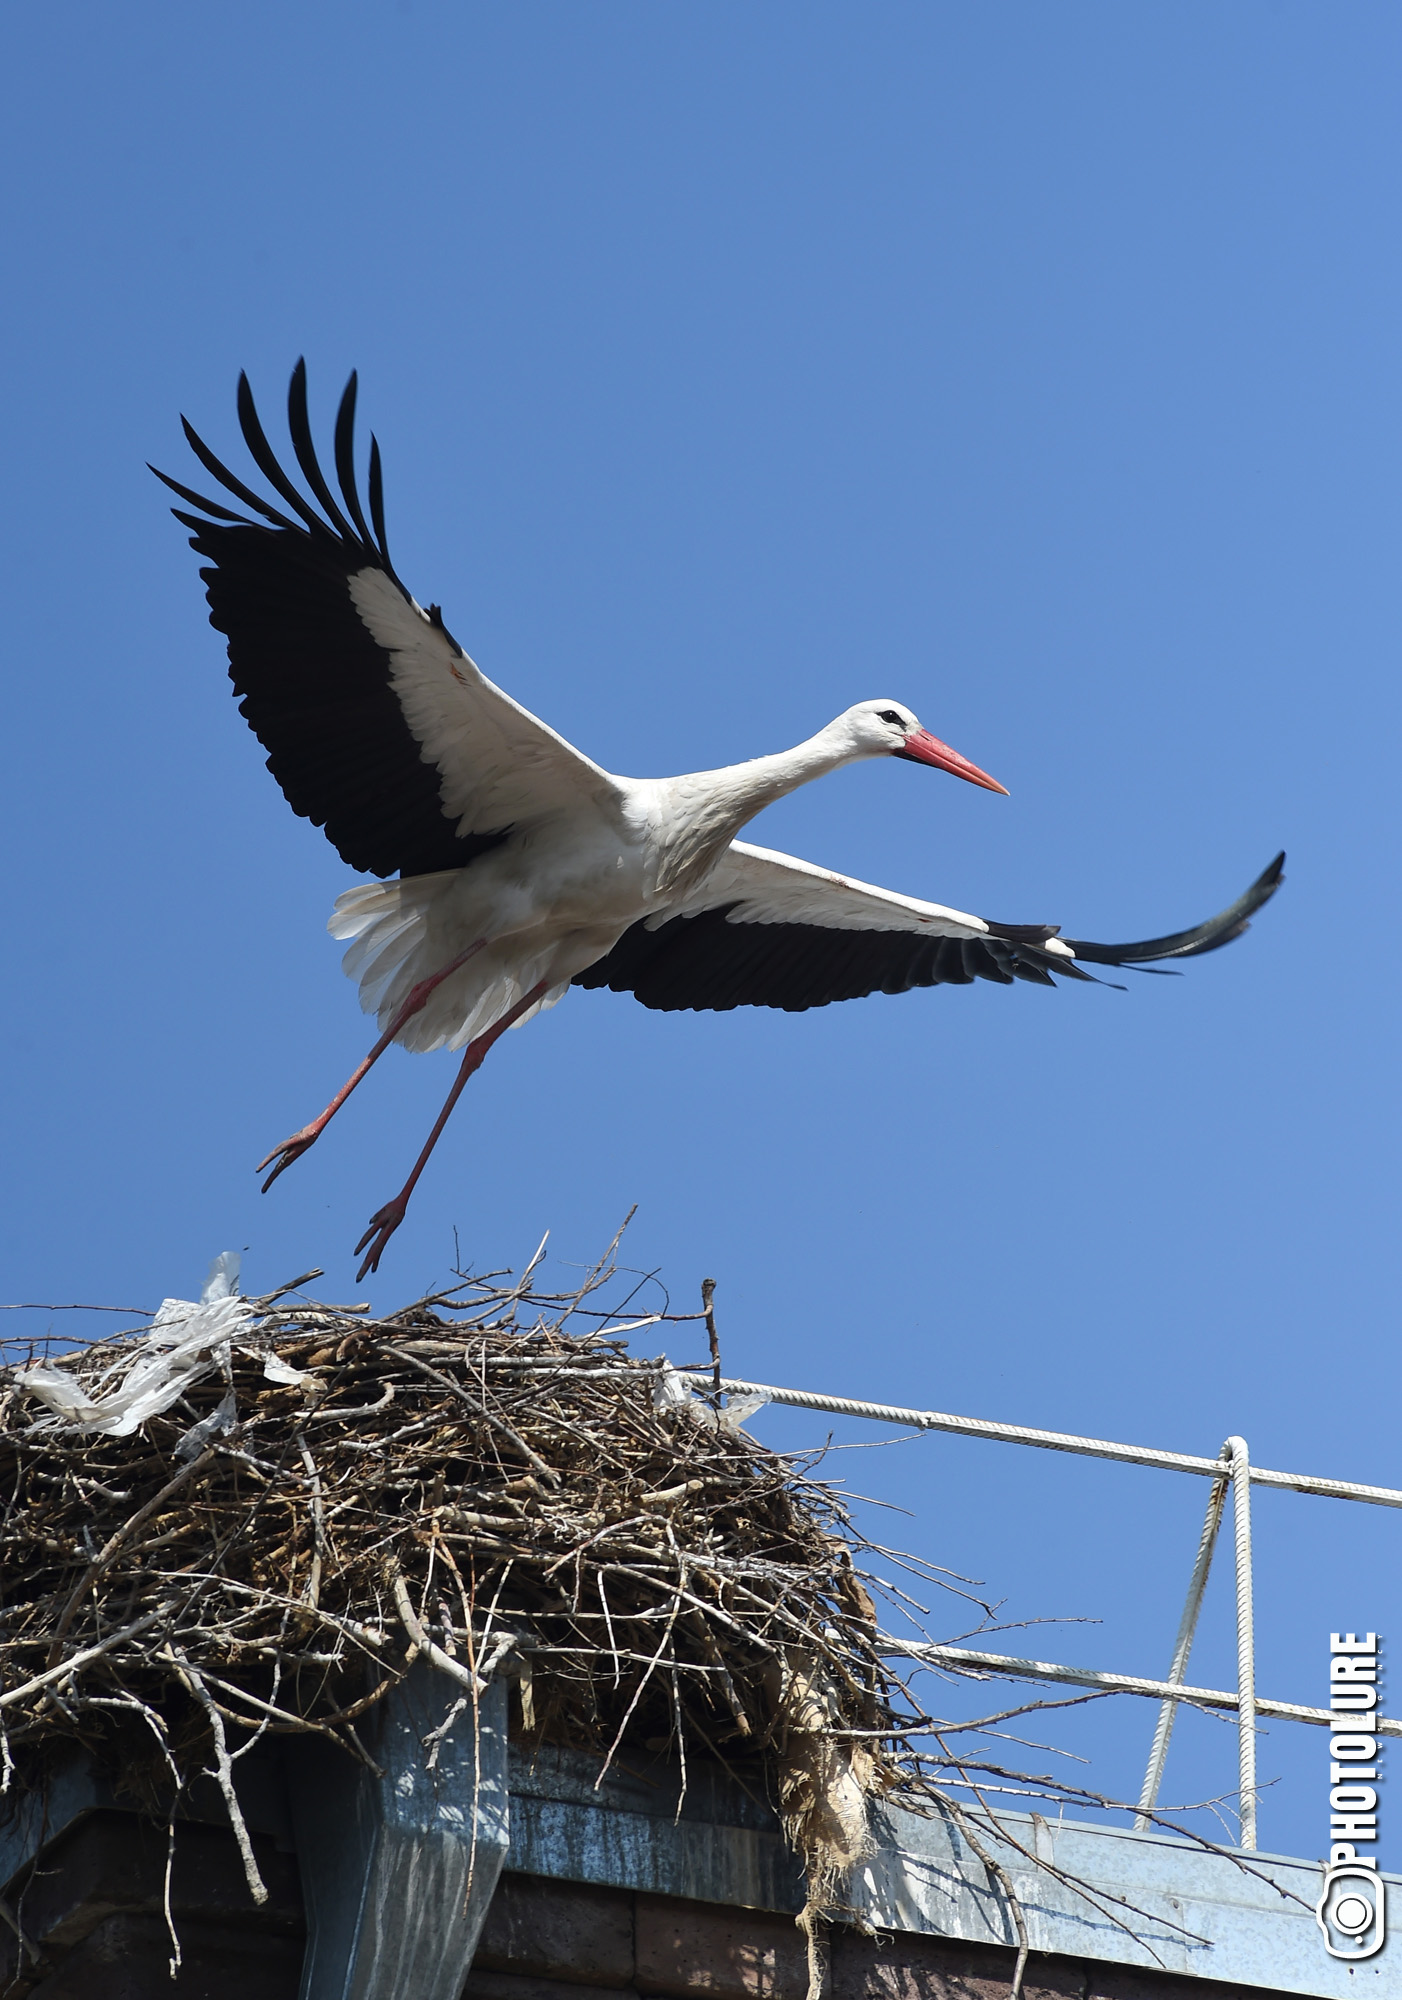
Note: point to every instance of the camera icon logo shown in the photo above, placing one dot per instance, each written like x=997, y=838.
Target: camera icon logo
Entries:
x=1352, y=1911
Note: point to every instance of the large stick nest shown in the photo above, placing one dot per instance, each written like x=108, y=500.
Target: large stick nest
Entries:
x=261, y=1531
x=471, y=1478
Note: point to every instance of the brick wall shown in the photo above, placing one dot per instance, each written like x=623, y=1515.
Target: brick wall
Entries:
x=556, y=1941
x=93, y=1912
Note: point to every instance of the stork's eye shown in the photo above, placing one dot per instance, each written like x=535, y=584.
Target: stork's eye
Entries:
x=890, y=715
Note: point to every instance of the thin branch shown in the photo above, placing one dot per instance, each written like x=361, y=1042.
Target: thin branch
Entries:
x=223, y=1774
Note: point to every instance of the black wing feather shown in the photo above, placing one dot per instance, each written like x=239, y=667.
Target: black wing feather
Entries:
x=312, y=682
x=299, y=424
x=266, y=459
x=345, y=458
x=195, y=500
x=226, y=478
x=1211, y=936
x=377, y=501
x=706, y=962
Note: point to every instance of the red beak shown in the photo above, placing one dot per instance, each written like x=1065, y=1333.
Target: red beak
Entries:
x=921, y=747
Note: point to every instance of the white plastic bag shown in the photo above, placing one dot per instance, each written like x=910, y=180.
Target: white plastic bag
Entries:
x=184, y=1343
x=676, y=1391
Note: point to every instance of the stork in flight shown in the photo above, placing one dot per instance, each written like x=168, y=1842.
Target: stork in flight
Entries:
x=520, y=866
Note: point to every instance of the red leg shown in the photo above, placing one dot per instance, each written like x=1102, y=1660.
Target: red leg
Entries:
x=386, y=1220
x=293, y=1148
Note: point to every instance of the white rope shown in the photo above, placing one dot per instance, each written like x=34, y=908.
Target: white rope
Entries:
x=1047, y=1670
x=1086, y=1447
x=1235, y=1450
x=1182, y=1647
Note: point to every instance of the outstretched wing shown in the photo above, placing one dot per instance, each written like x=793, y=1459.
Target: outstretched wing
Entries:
x=378, y=727
x=770, y=931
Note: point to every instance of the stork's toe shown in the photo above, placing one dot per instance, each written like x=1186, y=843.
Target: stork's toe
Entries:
x=383, y=1224
x=289, y=1151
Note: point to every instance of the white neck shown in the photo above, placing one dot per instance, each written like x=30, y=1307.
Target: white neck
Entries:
x=702, y=812
x=746, y=789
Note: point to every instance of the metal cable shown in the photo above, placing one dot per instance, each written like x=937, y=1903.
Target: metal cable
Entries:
x=1086, y=1447
x=1182, y=1647
x=1235, y=1450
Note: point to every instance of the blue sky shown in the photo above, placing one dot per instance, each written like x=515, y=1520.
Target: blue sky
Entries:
x=1035, y=366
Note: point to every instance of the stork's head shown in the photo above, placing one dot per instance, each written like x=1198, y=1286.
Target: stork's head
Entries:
x=887, y=728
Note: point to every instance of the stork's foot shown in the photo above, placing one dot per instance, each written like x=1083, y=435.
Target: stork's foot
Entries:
x=290, y=1150
x=383, y=1224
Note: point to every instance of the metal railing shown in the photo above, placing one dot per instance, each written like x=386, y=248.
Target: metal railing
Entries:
x=1231, y=1468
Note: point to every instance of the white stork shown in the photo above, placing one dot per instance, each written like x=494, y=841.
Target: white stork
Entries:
x=522, y=867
